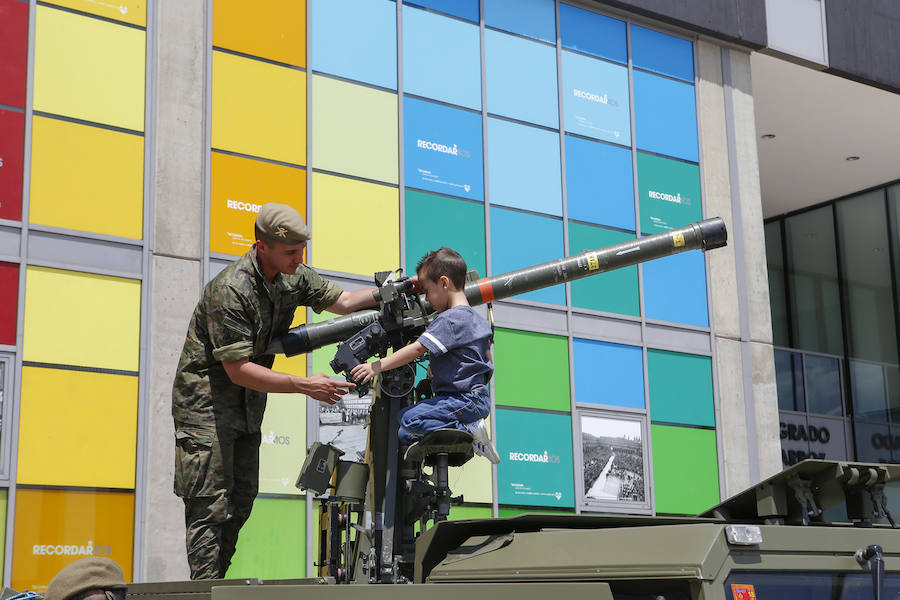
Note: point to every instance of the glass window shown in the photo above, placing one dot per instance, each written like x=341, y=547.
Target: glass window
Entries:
x=536, y=459
x=867, y=388
x=794, y=439
x=442, y=149
x=520, y=240
x=355, y=39
x=789, y=379
x=461, y=228
x=14, y=50
x=127, y=11
x=669, y=193
x=827, y=439
x=588, y=32
x=665, y=116
x=9, y=300
x=686, y=273
x=812, y=276
x=609, y=374
x=258, y=108
x=685, y=469
x=464, y=9
x=12, y=148
x=614, y=469
x=89, y=69
x=662, y=53
x=424, y=56
x=520, y=354
x=534, y=18
x=680, y=388
x=789, y=586
x=595, y=98
x=521, y=79
x=873, y=441
x=275, y=30
x=823, y=385
x=272, y=544
x=599, y=183
x=777, y=296
x=524, y=167
x=615, y=291
x=354, y=130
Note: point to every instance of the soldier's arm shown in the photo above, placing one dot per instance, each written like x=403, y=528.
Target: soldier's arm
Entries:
x=349, y=302
x=248, y=374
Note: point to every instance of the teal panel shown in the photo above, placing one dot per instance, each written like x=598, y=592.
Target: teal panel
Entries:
x=669, y=193
x=434, y=221
x=615, y=291
x=680, y=388
x=272, y=544
x=531, y=370
x=685, y=469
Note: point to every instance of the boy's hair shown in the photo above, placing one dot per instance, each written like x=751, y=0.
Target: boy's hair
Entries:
x=443, y=261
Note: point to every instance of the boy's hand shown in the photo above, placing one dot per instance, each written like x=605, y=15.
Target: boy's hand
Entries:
x=364, y=372
x=416, y=286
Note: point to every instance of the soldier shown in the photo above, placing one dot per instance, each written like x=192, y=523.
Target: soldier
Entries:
x=223, y=376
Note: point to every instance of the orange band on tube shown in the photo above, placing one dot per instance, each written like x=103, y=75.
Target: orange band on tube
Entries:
x=486, y=289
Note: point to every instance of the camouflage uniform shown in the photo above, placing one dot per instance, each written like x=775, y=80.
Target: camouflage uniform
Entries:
x=217, y=423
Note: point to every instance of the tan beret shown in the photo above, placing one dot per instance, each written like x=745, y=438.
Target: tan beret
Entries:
x=95, y=572
x=282, y=223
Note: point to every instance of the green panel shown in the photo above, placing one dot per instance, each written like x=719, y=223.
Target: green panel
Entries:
x=435, y=221
x=461, y=513
x=283, y=446
x=322, y=356
x=272, y=544
x=685, y=469
x=669, y=193
x=680, y=388
x=616, y=291
x=512, y=512
x=531, y=370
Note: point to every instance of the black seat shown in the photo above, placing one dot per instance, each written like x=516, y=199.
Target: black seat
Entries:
x=455, y=443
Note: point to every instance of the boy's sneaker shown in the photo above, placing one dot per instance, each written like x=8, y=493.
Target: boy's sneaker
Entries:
x=482, y=441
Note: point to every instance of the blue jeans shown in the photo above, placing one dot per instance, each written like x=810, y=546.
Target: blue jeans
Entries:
x=441, y=412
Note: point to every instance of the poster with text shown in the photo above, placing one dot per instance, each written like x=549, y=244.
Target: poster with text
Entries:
x=595, y=97
x=283, y=446
x=614, y=470
x=669, y=193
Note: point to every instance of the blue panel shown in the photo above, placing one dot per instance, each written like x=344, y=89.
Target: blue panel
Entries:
x=607, y=373
x=595, y=98
x=599, y=183
x=665, y=116
x=430, y=70
x=442, y=149
x=464, y=9
x=534, y=18
x=595, y=34
x=521, y=79
x=675, y=289
x=524, y=169
x=356, y=39
x=521, y=240
x=662, y=53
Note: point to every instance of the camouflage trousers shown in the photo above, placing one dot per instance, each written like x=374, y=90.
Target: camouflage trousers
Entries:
x=217, y=476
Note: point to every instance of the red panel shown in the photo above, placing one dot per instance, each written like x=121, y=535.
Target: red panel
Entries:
x=12, y=145
x=9, y=296
x=13, y=52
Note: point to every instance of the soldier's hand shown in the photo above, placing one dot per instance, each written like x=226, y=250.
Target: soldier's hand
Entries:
x=325, y=389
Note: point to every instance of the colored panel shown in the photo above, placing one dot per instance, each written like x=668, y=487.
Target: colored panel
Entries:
x=588, y=32
x=9, y=299
x=442, y=149
x=610, y=374
x=56, y=527
x=239, y=187
x=535, y=459
x=680, y=388
x=675, y=289
x=354, y=130
x=521, y=79
x=665, y=116
x=89, y=69
x=424, y=56
x=294, y=365
x=275, y=30
x=595, y=98
x=461, y=228
x=669, y=193
x=534, y=18
x=685, y=469
x=12, y=147
x=524, y=167
x=473, y=481
x=58, y=406
x=464, y=9
x=461, y=513
x=615, y=291
x=599, y=183
x=283, y=447
x=14, y=52
x=106, y=333
x=272, y=544
x=662, y=53
x=531, y=370
x=127, y=11
x=520, y=240
x=258, y=108
x=346, y=215
x=87, y=178
x=4, y=505
x=356, y=39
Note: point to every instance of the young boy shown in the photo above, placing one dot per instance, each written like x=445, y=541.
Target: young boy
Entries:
x=458, y=342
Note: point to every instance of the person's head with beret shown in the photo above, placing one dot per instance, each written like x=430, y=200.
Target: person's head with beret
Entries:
x=88, y=579
x=281, y=236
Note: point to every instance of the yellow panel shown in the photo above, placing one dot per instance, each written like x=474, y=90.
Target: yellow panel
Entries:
x=258, y=108
x=283, y=447
x=127, y=11
x=295, y=365
x=56, y=527
x=4, y=504
x=473, y=479
x=239, y=187
x=87, y=178
x=58, y=406
x=82, y=319
x=89, y=69
x=355, y=225
x=275, y=29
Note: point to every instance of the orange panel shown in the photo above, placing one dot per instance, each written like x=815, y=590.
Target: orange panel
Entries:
x=56, y=527
x=275, y=29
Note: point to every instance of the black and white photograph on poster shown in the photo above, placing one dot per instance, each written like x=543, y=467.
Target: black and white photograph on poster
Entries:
x=344, y=425
x=613, y=455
